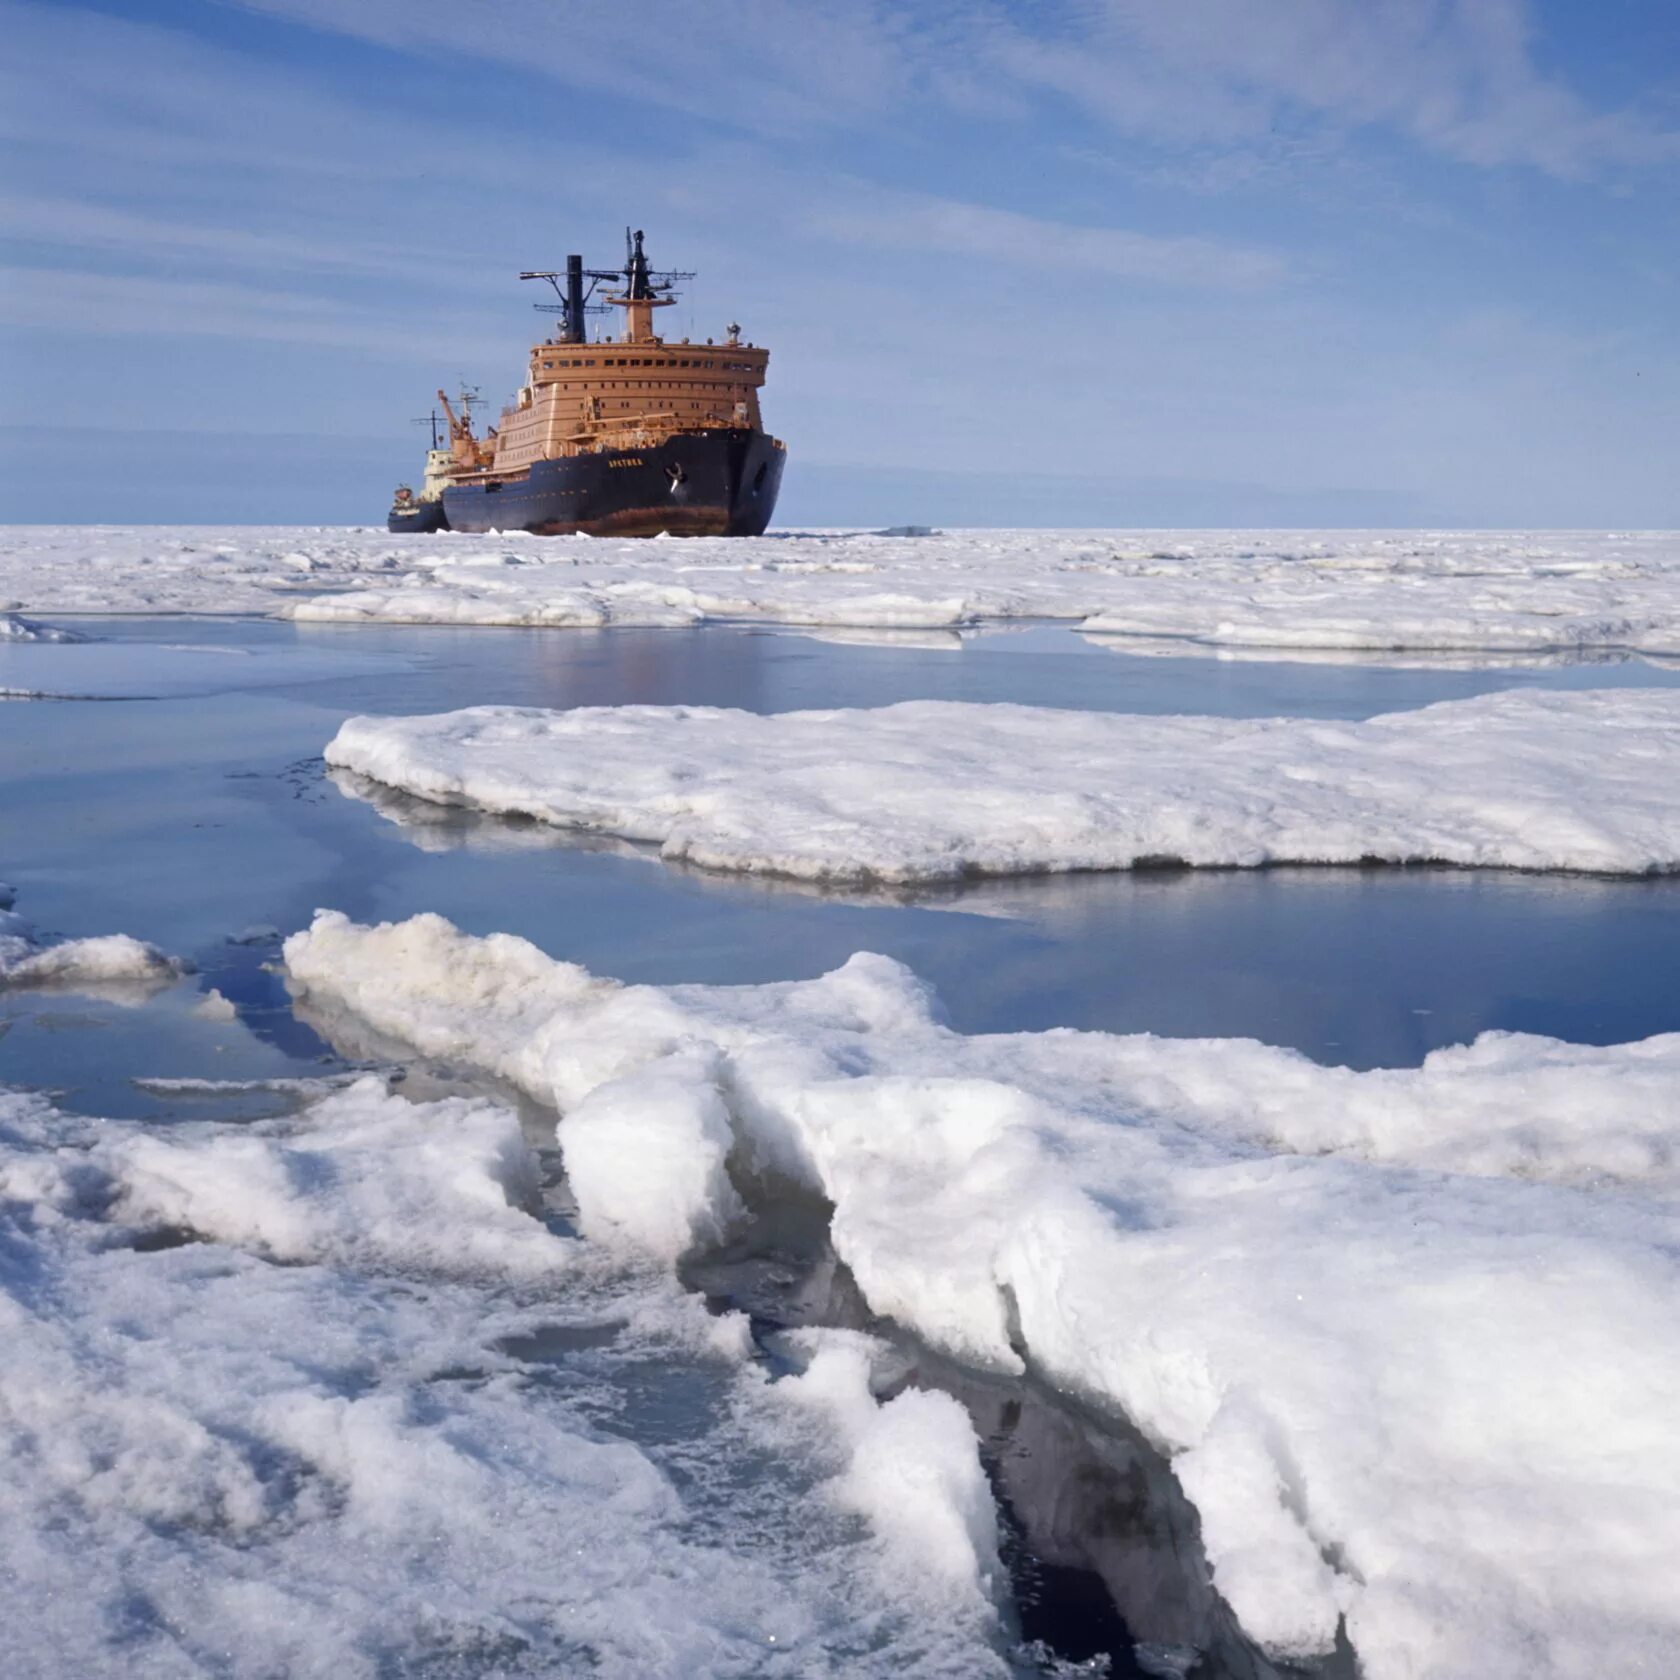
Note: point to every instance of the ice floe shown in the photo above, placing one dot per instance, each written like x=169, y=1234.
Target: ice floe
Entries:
x=105, y=962
x=1517, y=592
x=939, y=791
x=274, y=1402
x=15, y=629
x=1409, y=1334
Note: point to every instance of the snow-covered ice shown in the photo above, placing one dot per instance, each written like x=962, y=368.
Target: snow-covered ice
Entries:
x=1408, y=1334
x=263, y=1411
x=1523, y=593
x=939, y=791
x=104, y=962
x=911, y=1470
x=14, y=629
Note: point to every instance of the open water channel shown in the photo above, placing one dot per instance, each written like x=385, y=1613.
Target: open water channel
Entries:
x=189, y=806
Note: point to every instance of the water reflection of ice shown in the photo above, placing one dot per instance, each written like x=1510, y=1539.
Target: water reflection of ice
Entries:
x=138, y=1057
x=129, y=670
x=1385, y=659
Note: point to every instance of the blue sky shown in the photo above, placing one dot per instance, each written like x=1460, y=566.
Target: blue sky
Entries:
x=1108, y=262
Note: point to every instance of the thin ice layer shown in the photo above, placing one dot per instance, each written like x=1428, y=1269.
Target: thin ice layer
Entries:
x=264, y=1411
x=1409, y=1334
x=932, y=791
x=43, y=669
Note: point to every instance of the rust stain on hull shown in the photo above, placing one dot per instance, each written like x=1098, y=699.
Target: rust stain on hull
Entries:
x=643, y=522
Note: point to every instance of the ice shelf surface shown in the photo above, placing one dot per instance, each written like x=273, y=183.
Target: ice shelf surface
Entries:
x=269, y=1406
x=1408, y=1334
x=932, y=791
x=1516, y=591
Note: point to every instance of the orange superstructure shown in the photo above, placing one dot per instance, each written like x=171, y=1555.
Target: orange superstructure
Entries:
x=635, y=435
x=577, y=395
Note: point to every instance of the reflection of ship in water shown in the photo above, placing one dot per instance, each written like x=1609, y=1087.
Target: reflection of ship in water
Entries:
x=636, y=436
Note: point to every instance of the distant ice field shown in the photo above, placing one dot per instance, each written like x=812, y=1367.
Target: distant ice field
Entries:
x=1515, y=593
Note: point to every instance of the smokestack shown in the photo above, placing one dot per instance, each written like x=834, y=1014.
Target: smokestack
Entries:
x=574, y=301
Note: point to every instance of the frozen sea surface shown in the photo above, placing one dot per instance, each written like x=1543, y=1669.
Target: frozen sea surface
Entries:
x=207, y=826
x=1514, y=592
x=339, y=1392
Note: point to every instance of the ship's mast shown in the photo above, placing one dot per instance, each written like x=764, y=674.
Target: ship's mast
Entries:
x=574, y=306
x=644, y=290
x=462, y=444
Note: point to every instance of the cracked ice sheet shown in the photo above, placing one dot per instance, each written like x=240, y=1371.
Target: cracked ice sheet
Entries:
x=1521, y=592
x=1409, y=1334
x=286, y=1437
x=936, y=791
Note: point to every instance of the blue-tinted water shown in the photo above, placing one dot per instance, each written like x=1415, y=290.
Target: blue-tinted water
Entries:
x=193, y=821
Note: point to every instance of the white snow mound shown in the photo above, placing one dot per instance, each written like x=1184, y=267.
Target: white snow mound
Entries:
x=932, y=791
x=360, y=1175
x=14, y=628
x=1408, y=1334
x=111, y=960
x=912, y=1469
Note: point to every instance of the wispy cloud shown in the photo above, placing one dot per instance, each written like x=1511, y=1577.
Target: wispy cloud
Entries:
x=129, y=305
x=85, y=225
x=1076, y=256
x=1458, y=77
x=763, y=66
x=1225, y=285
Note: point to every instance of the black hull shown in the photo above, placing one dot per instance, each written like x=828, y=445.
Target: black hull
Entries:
x=721, y=483
x=408, y=517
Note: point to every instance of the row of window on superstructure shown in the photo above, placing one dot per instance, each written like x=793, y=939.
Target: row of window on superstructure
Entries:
x=648, y=361
x=628, y=361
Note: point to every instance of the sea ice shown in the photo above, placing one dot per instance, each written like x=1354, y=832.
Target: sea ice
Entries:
x=911, y=1469
x=938, y=791
x=262, y=1412
x=1525, y=593
x=104, y=961
x=15, y=629
x=1408, y=1335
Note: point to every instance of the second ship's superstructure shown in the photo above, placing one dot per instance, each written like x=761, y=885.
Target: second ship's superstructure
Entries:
x=631, y=436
